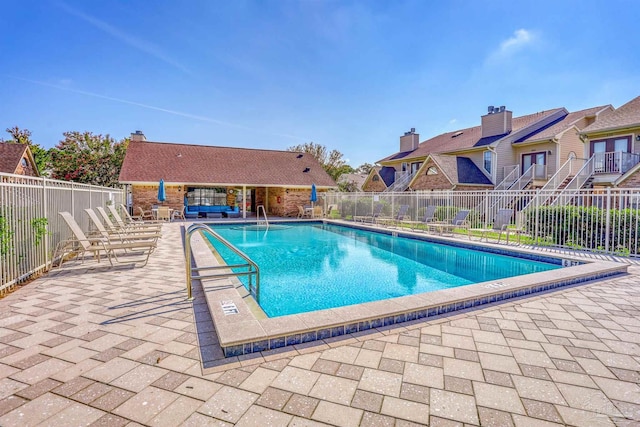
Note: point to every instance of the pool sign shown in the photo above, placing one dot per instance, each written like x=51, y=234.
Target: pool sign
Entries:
x=229, y=307
x=569, y=263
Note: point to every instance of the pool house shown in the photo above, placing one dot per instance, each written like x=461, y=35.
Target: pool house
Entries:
x=214, y=182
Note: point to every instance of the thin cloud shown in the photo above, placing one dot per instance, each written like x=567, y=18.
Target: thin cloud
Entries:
x=152, y=107
x=128, y=39
x=520, y=40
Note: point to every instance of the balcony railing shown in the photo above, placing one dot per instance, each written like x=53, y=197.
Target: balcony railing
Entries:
x=614, y=162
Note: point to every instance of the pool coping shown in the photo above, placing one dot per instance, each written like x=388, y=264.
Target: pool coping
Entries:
x=242, y=331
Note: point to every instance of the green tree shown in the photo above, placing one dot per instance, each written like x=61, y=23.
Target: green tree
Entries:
x=364, y=168
x=331, y=161
x=88, y=158
x=23, y=136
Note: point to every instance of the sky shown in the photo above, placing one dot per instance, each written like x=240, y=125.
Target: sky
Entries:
x=350, y=75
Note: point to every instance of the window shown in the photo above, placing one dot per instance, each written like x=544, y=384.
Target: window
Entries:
x=207, y=196
x=432, y=171
x=487, y=161
x=404, y=166
x=415, y=166
x=375, y=178
x=23, y=162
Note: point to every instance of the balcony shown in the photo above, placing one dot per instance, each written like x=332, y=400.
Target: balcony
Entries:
x=614, y=162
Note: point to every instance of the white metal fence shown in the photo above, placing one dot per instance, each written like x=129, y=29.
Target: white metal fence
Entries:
x=606, y=220
x=30, y=227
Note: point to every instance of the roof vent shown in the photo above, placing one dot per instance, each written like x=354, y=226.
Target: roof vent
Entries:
x=457, y=134
x=300, y=156
x=306, y=170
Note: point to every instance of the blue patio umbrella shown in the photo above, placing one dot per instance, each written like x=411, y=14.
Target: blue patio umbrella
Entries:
x=161, y=193
x=314, y=196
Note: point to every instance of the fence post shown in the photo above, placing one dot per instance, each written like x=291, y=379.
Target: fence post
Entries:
x=486, y=208
x=607, y=212
x=45, y=214
x=536, y=200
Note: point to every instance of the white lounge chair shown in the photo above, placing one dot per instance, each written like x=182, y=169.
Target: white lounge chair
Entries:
x=121, y=235
x=97, y=245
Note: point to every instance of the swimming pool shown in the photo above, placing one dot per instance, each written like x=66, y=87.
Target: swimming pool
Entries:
x=308, y=267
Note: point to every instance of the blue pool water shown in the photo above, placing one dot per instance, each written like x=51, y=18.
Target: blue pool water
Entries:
x=307, y=267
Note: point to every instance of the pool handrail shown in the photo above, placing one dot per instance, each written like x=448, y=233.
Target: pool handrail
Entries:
x=255, y=291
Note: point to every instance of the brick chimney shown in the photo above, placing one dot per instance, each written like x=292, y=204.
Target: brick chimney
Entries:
x=138, y=136
x=409, y=141
x=497, y=121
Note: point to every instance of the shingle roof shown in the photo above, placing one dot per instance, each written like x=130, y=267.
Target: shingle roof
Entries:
x=199, y=164
x=560, y=125
x=466, y=138
x=626, y=115
x=387, y=174
x=460, y=170
x=10, y=156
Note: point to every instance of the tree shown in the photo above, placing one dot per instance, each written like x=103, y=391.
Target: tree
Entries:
x=364, y=168
x=88, y=158
x=331, y=161
x=23, y=136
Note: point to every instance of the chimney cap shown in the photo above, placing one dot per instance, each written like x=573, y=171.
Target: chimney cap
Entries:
x=490, y=109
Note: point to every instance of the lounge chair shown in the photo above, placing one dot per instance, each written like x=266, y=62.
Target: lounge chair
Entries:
x=458, y=221
x=121, y=235
x=373, y=218
x=395, y=221
x=97, y=245
x=428, y=217
x=500, y=224
x=121, y=225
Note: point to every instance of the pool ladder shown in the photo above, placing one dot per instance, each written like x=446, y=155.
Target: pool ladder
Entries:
x=224, y=270
x=262, y=222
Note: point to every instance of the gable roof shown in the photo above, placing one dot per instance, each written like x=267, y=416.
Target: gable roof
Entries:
x=10, y=156
x=627, y=115
x=149, y=162
x=555, y=128
x=459, y=169
x=358, y=179
x=387, y=174
x=468, y=138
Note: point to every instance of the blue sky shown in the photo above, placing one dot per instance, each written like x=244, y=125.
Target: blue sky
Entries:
x=350, y=75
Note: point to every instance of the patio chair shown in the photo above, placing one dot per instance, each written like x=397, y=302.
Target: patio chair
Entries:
x=164, y=213
x=303, y=213
x=121, y=225
x=179, y=214
x=458, y=221
x=330, y=209
x=137, y=219
x=96, y=245
x=395, y=221
x=428, y=217
x=145, y=215
x=373, y=218
x=121, y=235
x=500, y=224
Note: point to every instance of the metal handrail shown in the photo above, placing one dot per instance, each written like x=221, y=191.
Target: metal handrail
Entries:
x=574, y=186
x=554, y=183
x=255, y=291
x=264, y=213
x=508, y=180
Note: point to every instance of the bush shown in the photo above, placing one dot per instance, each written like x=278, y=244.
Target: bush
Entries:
x=585, y=227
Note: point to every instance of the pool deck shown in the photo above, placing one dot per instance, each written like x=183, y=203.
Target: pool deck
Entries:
x=89, y=345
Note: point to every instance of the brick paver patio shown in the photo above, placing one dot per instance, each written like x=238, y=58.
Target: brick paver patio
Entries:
x=88, y=345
